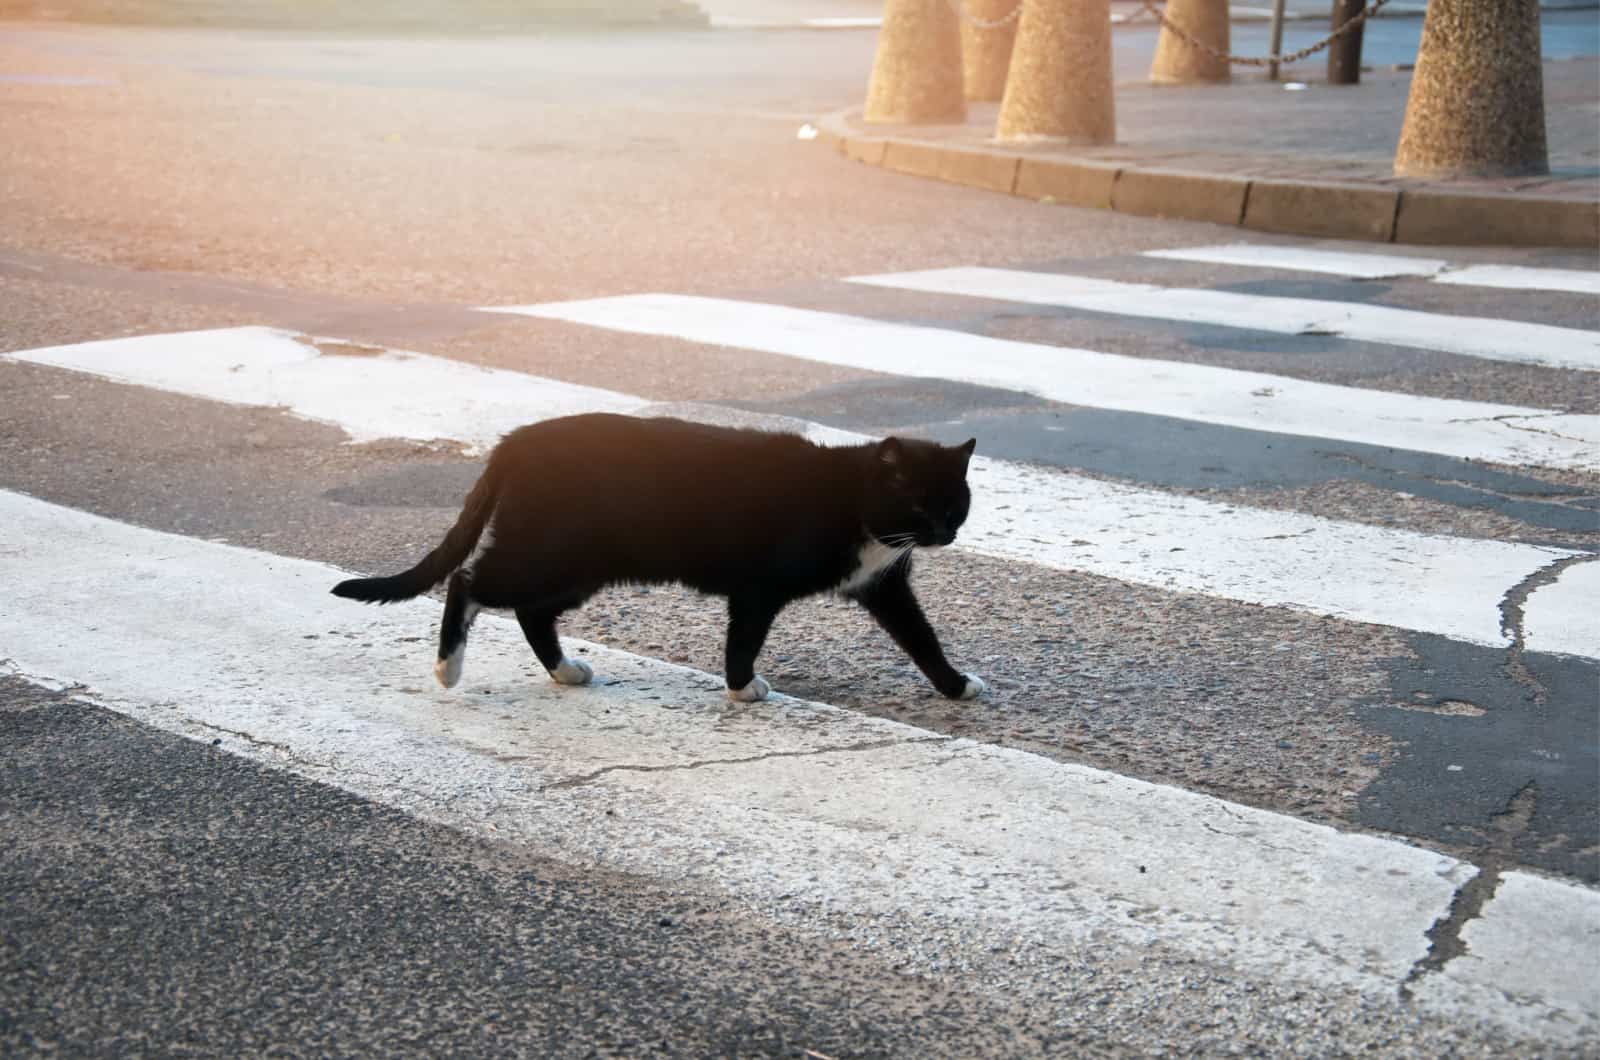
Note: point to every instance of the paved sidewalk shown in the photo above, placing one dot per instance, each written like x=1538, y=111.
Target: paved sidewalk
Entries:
x=1297, y=157
x=858, y=14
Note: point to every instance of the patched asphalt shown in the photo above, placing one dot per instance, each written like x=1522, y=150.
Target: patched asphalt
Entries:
x=1471, y=738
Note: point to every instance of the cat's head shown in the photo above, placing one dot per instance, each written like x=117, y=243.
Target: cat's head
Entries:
x=917, y=493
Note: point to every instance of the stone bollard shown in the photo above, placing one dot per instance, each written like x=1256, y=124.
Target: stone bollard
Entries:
x=1060, y=83
x=1477, y=97
x=916, y=76
x=988, y=30
x=1178, y=62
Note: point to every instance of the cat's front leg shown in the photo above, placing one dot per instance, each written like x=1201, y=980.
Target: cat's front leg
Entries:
x=890, y=600
x=539, y=626
x=749, y=620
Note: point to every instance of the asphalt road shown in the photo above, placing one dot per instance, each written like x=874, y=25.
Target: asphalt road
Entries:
x=167, y=895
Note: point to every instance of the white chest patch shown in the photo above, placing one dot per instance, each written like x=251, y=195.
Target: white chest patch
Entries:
x=874, y=558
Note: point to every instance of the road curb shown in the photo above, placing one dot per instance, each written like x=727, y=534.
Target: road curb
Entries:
x=1397, y=213
x=1335, y=210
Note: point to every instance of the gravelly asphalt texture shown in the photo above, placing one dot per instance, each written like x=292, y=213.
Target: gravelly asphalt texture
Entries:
x=168, y=898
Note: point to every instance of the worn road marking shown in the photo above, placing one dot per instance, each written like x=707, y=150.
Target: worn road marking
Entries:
x=1386, y=266
x=1565, y=615
x=374, y=394
x=1467, y=430
x=1487, y=337
x=787, y=803
x=1526, y=915
x=1445, y=585
x=1523, y=278
x=1307, y=259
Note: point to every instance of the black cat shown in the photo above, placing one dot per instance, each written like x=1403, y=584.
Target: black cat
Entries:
x=571, y=505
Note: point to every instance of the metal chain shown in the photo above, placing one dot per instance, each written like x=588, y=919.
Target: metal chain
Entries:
x=1271, y=60
x=1372, y=8
x=960, y=8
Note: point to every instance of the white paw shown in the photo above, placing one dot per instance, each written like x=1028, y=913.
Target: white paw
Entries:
x=974, y=687
x=448, y=671
x=753, y=692
x=573, y=672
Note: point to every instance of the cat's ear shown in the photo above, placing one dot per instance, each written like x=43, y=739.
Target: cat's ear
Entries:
x=968, y=446
x=890, y=452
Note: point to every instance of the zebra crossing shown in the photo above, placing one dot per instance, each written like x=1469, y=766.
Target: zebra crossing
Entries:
x=1254, y=400
x=1489, y=338
x=1449, y=586
x=269, y=657
x=272, y=655
x=1224, y=551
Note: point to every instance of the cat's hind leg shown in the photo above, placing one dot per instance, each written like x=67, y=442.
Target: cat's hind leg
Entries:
x=459, y=611
x=539, y=626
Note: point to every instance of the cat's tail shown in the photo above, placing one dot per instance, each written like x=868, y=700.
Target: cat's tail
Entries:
x=439, y=564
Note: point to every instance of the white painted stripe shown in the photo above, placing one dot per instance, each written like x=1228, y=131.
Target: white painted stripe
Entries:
x=1486, y=337
x=1385, y=266
x=1307, y=259
x=1565, y=615
x=877, y=820
x=1469, y=430
x=1524, y=278
x=372, y=395
x=1444, y=585
x=1531, y=915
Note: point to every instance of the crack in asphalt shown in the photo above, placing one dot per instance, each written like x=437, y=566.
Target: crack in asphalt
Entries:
x=1445, y=943
x=281, y=748
x=1517, y=421
x=1510, y=422
x=1512, y=618
x=869, y=745
x=337, y=347
x=1567, y=499
x=1515, y=503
